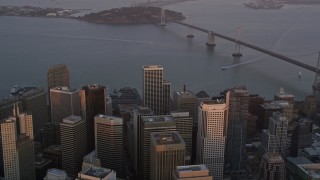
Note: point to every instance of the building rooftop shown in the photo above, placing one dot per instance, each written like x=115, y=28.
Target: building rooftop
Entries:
x=191, y=168
x=163, y=138
x=152, y=66
x=56, y=173
x=164, y=118
x=142, y=110
x=19, y=92
x=273, y=157
x=98, y=172
x=62, y=89
x=177, y=114
x=72, y=120
x=202, y=94
x=275, y=105
x=112, y=120
x=93, y=87
x=191, y=171
x=53, y=149
x=216, y=101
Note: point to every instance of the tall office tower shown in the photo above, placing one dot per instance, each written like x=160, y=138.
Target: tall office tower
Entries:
x=26, y=125
x=96, y=173
x=213, y=117
x=192, y=172
x=167, y=102
x=7, y=107
x=184, y=101
x=254, y=103
x=50, y=135
x=151, y=124
x=126, y=95
x=265, y=112
x=310, y=105
x=166, y=152
x=17, y=148
x=301, y=136
x=58, y=75
x=64, y=102
x=237, y=129
x=54, y=153
x=27, y=99
x=73, y=142
x=93, y=102
x=156, y=90
x=109, y=143
x=275, y=139
x=137, y=113
x=184, y=127
x=272, y=167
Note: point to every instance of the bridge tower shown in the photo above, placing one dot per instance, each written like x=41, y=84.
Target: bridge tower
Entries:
x=237, y=52
x=163, y=17
x=190, y=31
x=133, y=3
x=316, y=83
x=211, y=39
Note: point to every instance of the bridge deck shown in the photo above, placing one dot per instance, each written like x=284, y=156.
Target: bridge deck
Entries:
x=274, y=54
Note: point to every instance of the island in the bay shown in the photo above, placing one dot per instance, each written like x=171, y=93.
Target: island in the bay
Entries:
x=131, y=15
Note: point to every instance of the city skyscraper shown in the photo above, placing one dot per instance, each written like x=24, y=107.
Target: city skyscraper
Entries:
x=166, y=152
x=272, y=167
x=93, y=102
x=73, y=143
x=109, y=143
x=64, y=102
x=184, y=126
x=156, y=91
x=275, y=139
x=17, y=148
x=237, y=126
x=137, y=113
x=58, y=75
x=151, y=124
x=213, y=116
x=301, y=136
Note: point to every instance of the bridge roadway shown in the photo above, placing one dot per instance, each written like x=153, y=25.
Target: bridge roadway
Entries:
x=279, y=56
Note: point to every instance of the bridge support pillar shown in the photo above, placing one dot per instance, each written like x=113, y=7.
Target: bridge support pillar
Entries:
x=211, y=39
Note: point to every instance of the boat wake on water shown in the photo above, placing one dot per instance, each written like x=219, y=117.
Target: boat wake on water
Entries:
x=84, y=37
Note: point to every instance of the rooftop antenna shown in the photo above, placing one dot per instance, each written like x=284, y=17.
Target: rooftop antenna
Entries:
x=184, y=88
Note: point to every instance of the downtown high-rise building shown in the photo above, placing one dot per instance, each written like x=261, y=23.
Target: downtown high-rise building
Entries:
x=73, y=143
x=272, y=167
x=184, y=100
x=151, y=124
x=17, y=148
x=136, y=119
x=236, y=131
x=166, y=152
x=213, y=117
x=109, y=143
x=93, y=102
x=58, y=75
x=64, y=102
x=156, y=90
x=184, y=126
x=275, y=138
x=301, y=136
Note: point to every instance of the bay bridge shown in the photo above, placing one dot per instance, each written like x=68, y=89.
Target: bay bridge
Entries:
x=211, y=42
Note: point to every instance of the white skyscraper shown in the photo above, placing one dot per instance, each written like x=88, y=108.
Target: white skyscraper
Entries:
x=156, y=91
x=213, y=116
